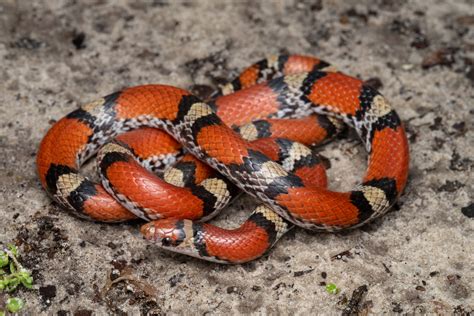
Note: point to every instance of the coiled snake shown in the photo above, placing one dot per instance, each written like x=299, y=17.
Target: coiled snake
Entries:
x=253, y=132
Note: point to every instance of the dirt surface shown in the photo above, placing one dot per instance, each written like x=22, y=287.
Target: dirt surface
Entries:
x=56, y=55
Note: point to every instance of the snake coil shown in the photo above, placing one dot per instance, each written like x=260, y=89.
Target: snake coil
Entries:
x=253, y=132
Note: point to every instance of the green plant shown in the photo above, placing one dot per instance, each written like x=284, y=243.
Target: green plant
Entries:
x=13, y=274
x=331, y=288
x=15, y=304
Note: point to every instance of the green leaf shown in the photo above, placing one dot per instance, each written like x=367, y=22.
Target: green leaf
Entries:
x=2, y=313
x=13, y=249
x=3, y=259
x=27, y=280
x=331, y=288
x=12, y=267
x=15, y=304
x=13, y=284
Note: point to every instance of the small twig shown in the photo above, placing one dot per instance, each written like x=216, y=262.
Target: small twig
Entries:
x=147, y=288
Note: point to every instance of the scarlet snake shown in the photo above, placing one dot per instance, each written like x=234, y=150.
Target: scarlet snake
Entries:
x=276, y=88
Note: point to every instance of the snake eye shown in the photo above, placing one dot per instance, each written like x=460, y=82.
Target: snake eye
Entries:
x=166, y=242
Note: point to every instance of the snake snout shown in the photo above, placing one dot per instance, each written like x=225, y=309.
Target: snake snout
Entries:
x=164, y=232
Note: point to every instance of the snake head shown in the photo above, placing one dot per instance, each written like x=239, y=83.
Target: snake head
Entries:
x=167, y=233
x=178, y=235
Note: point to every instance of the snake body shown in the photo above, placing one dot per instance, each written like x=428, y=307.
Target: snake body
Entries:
x=289, y=99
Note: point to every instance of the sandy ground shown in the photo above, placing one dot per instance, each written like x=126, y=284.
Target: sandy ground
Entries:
x=56, y=55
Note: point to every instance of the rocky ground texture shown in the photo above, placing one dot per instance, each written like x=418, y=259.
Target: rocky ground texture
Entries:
x=57, y=55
